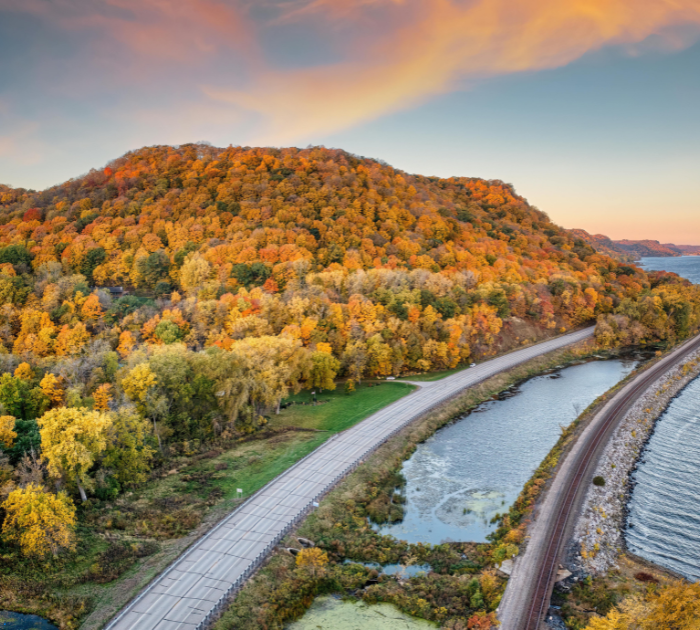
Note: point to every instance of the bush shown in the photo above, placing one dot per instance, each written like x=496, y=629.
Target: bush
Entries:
x=598, y=481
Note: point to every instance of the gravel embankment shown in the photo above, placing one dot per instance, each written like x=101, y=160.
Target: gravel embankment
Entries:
x=599, y=533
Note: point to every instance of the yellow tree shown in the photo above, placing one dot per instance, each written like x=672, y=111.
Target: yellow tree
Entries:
x=7, y=432
x=312, y=559
x=24, y=371
x=138, y=382
x=102, y=396
x=71, y=440
x=194, y=273
x=40, y=522
x=51, y=388
x=136, y=385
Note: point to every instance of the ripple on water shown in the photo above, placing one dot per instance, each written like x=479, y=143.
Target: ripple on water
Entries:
x=475, y=468
x=664, y=511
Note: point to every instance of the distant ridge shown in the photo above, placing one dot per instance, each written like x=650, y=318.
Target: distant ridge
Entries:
x=633, y=250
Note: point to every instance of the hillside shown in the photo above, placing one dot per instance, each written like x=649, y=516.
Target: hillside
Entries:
x=627, y=250
x=349, y=265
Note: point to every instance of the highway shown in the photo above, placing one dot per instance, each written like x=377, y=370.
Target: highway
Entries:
x=529, y=589
x=197, y=585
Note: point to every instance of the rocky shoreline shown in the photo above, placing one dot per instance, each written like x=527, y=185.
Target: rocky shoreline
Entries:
x=599, y=533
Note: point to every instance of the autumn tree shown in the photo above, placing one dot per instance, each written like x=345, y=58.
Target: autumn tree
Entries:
x=312, y=559
x=51, y=388
x=41, y=523
x=126, y=344
x=194, y=273
x=24, y=372
x=102, y=397
x=128, y=455
x=7, y=430
x=71, y=440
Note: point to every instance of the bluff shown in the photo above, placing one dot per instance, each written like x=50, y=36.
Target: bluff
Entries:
x=387, y=271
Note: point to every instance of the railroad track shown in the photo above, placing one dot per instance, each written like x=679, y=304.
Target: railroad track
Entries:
x=568, y=501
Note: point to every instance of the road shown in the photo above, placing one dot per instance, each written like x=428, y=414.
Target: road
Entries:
x=529, y=589
x=195, y=587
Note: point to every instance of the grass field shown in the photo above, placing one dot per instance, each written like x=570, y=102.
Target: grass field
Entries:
x=337, y=410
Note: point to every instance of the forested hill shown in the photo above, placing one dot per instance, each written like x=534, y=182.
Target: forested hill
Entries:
x=338, y=254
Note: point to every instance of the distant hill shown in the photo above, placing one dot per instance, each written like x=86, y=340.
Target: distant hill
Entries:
x=627, y=250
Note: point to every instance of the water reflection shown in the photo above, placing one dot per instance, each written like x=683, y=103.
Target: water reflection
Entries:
x=471, y=470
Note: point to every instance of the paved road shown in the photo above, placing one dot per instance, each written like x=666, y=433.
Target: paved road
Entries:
x=529, y=589
x=197, y=584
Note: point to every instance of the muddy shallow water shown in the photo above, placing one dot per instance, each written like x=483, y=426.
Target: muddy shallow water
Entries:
x=474, y=468
x=330, y=613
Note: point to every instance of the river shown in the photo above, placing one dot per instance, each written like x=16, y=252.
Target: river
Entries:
x=685, y=266
x=664, y=512
x=474, y=468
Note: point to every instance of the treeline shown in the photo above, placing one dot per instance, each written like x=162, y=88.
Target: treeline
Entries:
x=251, y=273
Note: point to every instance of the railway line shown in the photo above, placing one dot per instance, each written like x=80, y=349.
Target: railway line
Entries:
x=530, y=587
x=192, y=590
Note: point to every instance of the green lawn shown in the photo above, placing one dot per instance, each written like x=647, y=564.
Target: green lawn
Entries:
x=337, y=410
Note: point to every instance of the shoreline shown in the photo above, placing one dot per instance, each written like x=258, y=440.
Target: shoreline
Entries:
x=599, y=534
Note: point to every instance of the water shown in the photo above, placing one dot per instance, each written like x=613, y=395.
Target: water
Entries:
x=664, y=510
x=330, y=613
x=685, y=266
x=17, y=621
x=405, y=571
x=473, y=469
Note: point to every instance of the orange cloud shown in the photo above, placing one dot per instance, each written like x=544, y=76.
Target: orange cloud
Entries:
x=429, y=48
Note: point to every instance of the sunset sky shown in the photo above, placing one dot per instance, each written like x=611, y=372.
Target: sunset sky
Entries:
x=589, y=107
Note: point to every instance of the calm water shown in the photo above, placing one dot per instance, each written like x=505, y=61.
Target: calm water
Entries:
x=17, y=621
x=475, y=468
x=685, y=266
x=664, y=507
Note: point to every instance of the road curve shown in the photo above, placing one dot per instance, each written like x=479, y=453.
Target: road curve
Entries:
x=195, y=587
x=529, y=589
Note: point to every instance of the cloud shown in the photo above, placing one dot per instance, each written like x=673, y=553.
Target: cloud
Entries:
x=175, y=30
x=429, y=48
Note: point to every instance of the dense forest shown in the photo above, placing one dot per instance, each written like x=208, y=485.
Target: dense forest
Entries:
x=247, y=274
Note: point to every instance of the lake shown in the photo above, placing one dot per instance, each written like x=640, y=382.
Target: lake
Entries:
x=474, y=468
x=685, y=266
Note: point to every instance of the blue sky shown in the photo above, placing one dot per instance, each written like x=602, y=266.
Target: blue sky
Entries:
x=589, y=107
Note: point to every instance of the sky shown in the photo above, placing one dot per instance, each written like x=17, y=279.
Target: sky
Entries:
x=588, y=107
